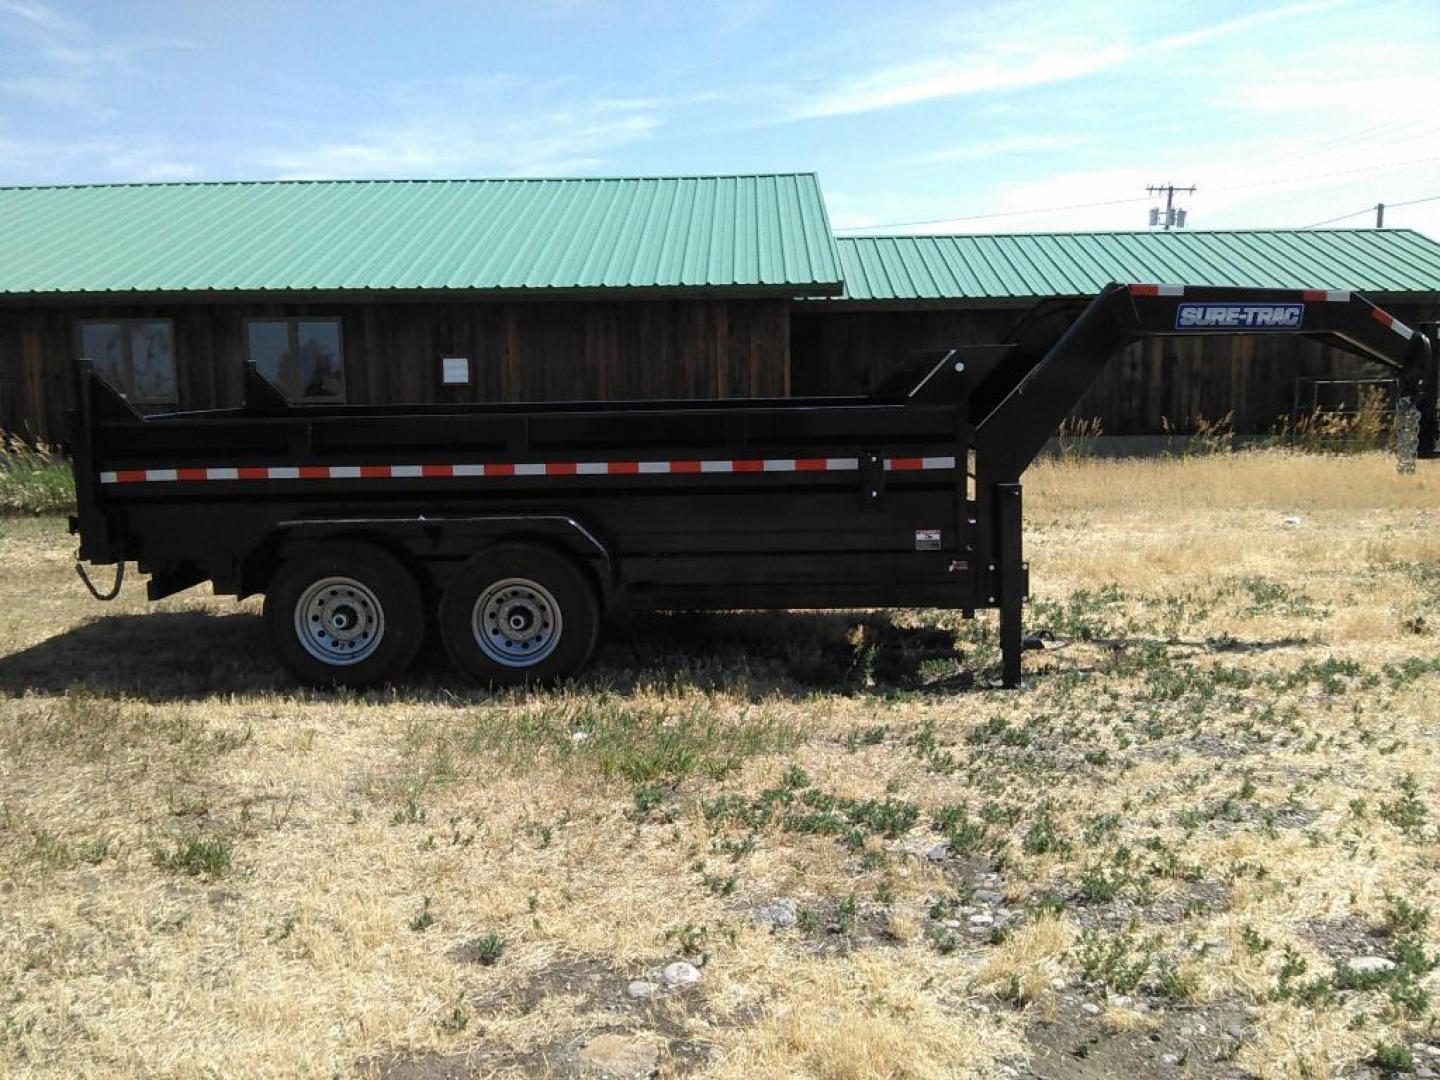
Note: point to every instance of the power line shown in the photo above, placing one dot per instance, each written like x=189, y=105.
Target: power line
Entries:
x=1324, y=175
x=1144, y=198
x=997, y=214
x=1369, y=209
x=1342, y=217
x=1390, y=130
x=1412, y=202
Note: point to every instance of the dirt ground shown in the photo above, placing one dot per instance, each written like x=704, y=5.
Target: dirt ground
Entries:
x=747, y=845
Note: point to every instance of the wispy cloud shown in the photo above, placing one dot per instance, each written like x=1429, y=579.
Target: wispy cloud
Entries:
x=1000, y=146
x=546, y=142
x=1020, y=46
x=1379, y=96
x=1241, y=23
x=40, y=17
x=65, y=65
x=91, y=160
x=942, y=77
x=57, y=93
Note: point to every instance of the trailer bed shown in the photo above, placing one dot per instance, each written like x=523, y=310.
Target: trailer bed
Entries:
x=908, y=497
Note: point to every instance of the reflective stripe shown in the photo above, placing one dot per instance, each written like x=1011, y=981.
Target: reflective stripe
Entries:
x=1385, y=318
x=444, y=470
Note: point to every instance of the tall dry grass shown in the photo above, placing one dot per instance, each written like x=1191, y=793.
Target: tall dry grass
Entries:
x=34, y=478
x=1272, y=479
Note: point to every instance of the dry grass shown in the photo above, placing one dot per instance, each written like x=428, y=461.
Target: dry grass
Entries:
x=34, y=479
x=1221, y=786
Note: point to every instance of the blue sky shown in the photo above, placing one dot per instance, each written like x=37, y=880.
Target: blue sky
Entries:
x=958, y=116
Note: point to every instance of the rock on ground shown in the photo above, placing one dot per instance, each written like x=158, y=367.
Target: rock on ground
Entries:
x=1366, y=965
x=782, y=912
x=681, y=974
x=620, y=1055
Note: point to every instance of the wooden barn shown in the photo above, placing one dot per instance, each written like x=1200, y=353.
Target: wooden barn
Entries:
x=906, y=293
x=373, y=292
x=676, y=287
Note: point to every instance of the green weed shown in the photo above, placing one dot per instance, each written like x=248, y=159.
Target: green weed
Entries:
x=195, y=856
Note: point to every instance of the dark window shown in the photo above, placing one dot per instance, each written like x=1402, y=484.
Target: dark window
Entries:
x=301, y=356
x=136, y=356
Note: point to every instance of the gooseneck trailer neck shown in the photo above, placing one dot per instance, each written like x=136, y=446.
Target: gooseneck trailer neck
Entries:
x=1042, y=373
x=519, y=526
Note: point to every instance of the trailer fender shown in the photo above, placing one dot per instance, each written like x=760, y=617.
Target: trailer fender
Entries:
x=437, y=546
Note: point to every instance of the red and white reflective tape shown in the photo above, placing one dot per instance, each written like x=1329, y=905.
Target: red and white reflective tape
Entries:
x=1386, y=319
x=535, y=468
x=1340, y=296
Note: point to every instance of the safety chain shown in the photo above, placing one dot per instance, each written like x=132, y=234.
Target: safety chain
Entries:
x=114, y=589
x=1407, y=436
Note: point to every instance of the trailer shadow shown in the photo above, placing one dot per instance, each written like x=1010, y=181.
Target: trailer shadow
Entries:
x=156, y=656
x=162, y=656
x=790, y=653
x=173, y=656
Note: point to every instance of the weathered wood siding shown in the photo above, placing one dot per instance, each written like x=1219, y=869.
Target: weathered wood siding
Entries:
x=550, y=350
x=532, y=351
x=1151, y=383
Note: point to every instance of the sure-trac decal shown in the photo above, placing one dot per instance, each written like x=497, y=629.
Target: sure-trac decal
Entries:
x=1222, y=316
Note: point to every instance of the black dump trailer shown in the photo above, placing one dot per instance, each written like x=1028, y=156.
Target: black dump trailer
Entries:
x=520, y=526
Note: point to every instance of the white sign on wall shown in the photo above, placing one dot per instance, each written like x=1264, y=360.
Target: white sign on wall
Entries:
x=455, y=370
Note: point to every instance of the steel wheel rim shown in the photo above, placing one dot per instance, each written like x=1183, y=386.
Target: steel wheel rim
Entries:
x=339, y=621
x=516, y=622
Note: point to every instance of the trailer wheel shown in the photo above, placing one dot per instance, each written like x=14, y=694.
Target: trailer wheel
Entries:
x=518, y=613
x=345, y=615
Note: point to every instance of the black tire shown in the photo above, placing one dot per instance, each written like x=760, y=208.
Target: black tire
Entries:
x=364, y=582
x=543, y=592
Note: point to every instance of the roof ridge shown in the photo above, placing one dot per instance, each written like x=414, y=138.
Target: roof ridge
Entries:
x=1297, y=230
x=1015, y=266
x=505, y=235
x=401, y=180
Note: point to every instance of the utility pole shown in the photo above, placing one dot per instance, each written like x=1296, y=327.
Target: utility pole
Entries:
x=1173, y=218
x=1379, y=215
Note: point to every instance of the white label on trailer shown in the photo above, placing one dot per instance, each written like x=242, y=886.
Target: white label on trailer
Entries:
x=455, y=370
x=1239, y=316
x=927, y=539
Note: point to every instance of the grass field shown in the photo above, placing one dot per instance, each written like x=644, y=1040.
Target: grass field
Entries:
x=1160, y=858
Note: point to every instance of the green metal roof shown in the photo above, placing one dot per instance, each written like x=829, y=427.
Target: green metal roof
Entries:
x=762, y=233
x=1026, y=266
